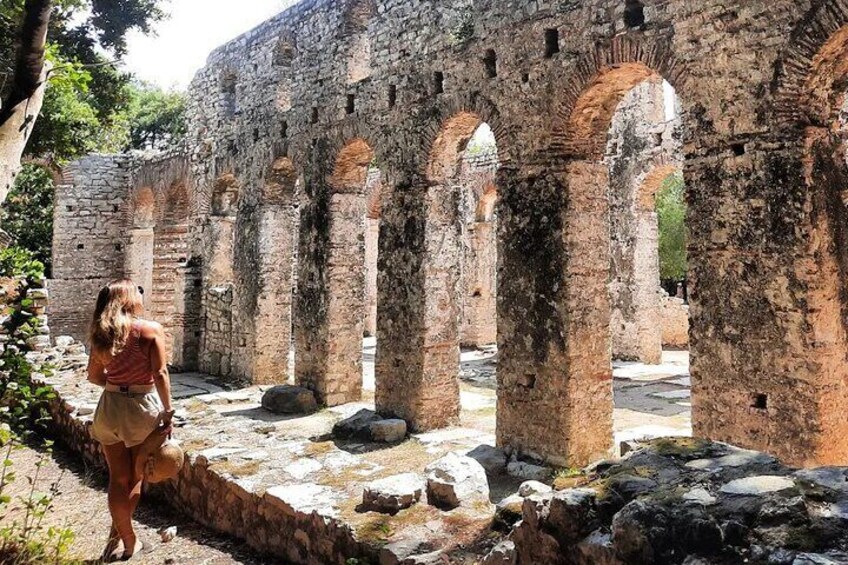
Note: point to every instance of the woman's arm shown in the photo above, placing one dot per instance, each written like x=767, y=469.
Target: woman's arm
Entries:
x=96, y=371
x=155, y=335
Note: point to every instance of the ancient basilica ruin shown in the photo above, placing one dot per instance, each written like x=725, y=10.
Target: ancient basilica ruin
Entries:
x=446, y=174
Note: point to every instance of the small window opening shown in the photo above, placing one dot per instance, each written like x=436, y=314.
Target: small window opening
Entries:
x=115, y=207
x=351, y=104
x=491, y=63
x=70, y=208
x=392, y=95
x=314, y=118
x=634, y=14
x=738, y=149
x=197, y=283
x=438, y=82
x=760, y=401
x=255, y=134
x=119, y=247
x=525, y=78
x=551, y=42
x=80, y=246
x=284, y=130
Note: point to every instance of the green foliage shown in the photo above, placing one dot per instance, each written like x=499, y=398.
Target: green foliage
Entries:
x=156, y=118
x=671, y=216
x=20, y=263
x=27, y=214
x=86, y=104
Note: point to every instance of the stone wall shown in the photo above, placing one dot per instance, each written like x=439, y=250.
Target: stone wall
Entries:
x=89, y=236
x=412, y=80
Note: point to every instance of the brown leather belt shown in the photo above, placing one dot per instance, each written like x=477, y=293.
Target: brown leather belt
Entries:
x=131, y=389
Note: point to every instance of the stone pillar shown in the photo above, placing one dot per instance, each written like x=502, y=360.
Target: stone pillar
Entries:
x=554, y=373
x=372, y=231
x=767, y=299
x=330, y=310
x=272, y=341
x=479, y=313
x=139, y=261
x=418, y=355
x=647, y=315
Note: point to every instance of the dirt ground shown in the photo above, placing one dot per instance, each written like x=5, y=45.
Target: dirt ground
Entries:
x=81, y=505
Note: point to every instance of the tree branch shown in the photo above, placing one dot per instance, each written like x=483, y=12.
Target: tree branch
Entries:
x=30, y=60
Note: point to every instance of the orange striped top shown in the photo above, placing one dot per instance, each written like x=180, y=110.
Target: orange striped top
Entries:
x=132, y=365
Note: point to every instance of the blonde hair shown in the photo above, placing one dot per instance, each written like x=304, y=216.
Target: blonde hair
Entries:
x=118, y=305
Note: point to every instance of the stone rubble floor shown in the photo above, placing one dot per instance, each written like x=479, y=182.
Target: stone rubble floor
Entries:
x=296, y=460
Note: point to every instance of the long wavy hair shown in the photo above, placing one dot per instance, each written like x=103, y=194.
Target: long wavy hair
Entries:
x=119, y=304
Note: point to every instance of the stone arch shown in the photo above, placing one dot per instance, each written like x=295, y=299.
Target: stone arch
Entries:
x=653, y=181
x=486, y=205
x=350, y=170
x=810, y=76
x=225, y=195
x=585, y=112
x=280, y=180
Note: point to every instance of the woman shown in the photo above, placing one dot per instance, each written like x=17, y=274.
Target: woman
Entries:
x=128, y=360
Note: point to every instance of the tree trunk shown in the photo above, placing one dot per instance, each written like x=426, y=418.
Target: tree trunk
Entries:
x=21, y=107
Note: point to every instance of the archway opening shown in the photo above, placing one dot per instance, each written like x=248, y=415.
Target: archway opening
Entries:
x=461, y=269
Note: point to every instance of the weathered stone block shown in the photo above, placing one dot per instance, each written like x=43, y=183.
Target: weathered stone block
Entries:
x=288, y=399
x=456, y=480
x=393, y=494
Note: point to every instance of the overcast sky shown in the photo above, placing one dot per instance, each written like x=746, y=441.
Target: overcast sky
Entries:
x=181, y=44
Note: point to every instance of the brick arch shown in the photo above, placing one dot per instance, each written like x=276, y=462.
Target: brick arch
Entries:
x=176, y=209
x=486, y=204
x=811, y=76
x=225, y=195
x=451, y=121
x=350, y=170
x=280, y=180
x=653, y=180
x=603, y=78
x=142, y=210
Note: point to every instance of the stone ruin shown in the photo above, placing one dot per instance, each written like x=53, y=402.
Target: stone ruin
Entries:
x=328, y=189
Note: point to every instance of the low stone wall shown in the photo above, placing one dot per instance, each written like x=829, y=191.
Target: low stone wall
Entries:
x=283, y=522
x=675, y=322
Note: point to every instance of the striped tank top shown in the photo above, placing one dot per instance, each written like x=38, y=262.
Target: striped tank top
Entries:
x=132, y=365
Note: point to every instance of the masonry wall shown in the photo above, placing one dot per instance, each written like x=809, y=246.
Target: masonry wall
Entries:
x=768, y=336
x=88, y=238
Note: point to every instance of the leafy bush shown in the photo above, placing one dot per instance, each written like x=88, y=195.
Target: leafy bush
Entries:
x=27, y=214
x=671, y=217
x=16, y=262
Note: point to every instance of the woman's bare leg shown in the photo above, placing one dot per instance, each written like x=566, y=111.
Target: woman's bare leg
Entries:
x=119, y=459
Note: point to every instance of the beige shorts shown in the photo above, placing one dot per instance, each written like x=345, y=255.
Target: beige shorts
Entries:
x=123, y=418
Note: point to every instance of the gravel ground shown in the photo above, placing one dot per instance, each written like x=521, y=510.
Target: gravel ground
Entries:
x=81, y=505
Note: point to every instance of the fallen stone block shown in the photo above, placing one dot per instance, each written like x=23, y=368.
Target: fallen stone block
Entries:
x=456, y=480
x=392, y=494
x=528, y=471
x=288, y=399
x=357, y=426
x=64, y=341
x=491, y=458
x=508, y=511
x=387, y=431
x=529, y=488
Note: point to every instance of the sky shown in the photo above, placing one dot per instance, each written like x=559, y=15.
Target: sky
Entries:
x=181, y=43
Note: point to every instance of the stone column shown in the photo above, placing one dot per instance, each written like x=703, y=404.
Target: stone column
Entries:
x=139, y=261
x=418, y=355
x=331, y=287
x=767, y=297
x=554, y=372
x=273, y=321
x=480, y=324
x=372, y=231
x=647, y=316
